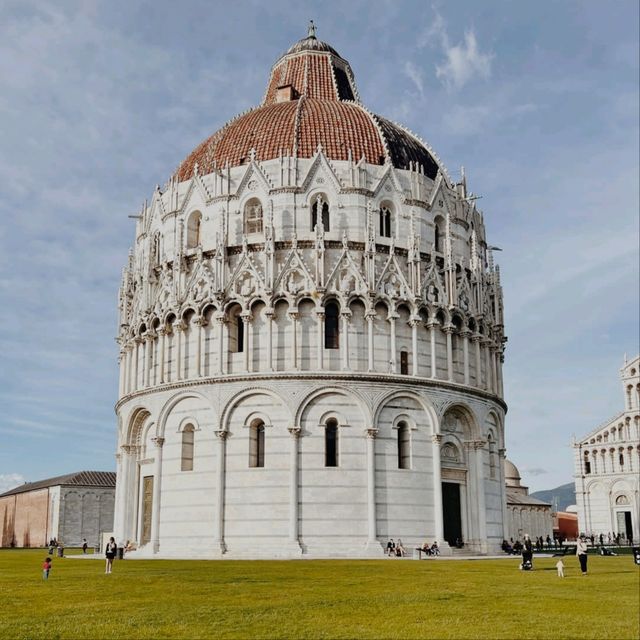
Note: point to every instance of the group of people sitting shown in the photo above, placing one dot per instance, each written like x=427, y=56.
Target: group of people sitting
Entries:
x=433, y=550
x=395, y=549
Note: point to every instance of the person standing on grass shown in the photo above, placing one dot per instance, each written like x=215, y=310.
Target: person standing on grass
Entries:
x=46, y=567
x=581, y=552
x=110, y=552
x=84, y=545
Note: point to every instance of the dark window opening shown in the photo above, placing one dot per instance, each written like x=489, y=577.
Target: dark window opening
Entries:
x=438, y=248
x=587, y=467
x=240, y=334
x=332, y=326
x=621, y=460
x=403, y=446
x=256, y=445
x=331, y=444
x=385, y=222
x=325, y=214
x=404, y=363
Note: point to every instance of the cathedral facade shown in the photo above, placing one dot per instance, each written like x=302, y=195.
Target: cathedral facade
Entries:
x=607, y=467
x=311, y=339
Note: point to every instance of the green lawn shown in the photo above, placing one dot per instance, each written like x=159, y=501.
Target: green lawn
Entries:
x=317, y=599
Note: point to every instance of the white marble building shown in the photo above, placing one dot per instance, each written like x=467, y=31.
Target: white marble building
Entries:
x=607, y=467
x=525, y=514
x=311, y=339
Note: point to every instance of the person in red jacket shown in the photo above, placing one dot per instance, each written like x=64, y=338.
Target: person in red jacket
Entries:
x=46, y=567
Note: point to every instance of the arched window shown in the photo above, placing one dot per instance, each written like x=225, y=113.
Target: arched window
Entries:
x=621, y=459
x=492, y=457
x=236, y=330
x=332, y=326
x=438, y=234
x=404, y=363
x=331, y=443
x=193, y=230
x=253, y=216
x=404, y=448
x=587, y=467
x=320, y=204
x=187, y=448
x=155, y=249
x=385, y=221
x=256, y=444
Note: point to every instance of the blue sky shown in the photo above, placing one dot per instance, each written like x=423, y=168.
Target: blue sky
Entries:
x=100, y=101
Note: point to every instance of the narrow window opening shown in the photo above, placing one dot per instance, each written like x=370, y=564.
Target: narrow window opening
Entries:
x=332, y=326
x=587, y=467
x=404, y=363
x=193, y=230
x=320, y=204
x=253, y=216
x=240, y=333
x=385, y=222
x=403, y=446
x=256, y=444
x=331, y=444
x=187, y=448
x=621, y=460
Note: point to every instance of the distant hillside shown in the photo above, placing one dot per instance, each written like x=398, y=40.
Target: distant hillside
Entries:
x=563, y=496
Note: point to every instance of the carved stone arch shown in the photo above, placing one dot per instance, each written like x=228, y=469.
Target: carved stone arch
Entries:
x=348, y=393
x=237, y=398
x=421, y=400
x=170, y=404
x=135, y=422
x=333, y=415
x=499, y=437
x=457, y=456
x=185, y=309
x=466, y=418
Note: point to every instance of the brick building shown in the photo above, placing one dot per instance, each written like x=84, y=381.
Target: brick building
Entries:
x=69, y=508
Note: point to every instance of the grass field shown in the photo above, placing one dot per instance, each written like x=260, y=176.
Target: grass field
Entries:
x=317, y=599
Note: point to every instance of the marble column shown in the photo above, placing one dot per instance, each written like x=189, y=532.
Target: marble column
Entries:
x=432, y=324
x=295, y=356
x=494, y=369
x=482, y=512
x=438, y=516
x=293, y=485
x=488, y=368
x=157, y=483
x=150, y=340
x=414, y=322
x=246, y=342
x=502, y=455
x=117, y=511
x=129, y=494
x=370, y=353
x=269, y=315
x=220, y=320
x=121, y=373
x=219, y=512
x=320, y=328
x=200, y=323
x=465, y=350
x=180, y=328
x=344, y=342
x=448, y=329
x=392, y=341
x=476, y=339
x=371, y=434
x=136, y=360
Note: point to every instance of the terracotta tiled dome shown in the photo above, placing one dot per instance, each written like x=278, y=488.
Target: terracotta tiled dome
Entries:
x=311, y=100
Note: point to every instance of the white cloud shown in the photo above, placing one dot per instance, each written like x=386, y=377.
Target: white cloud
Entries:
x=464, y=62
x=413, y=73
x=10, y=480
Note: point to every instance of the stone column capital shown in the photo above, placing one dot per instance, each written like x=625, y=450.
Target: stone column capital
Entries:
x=448, y=328
x=158, y=442
x=222, y=434
x=201, y=321
x=371, y=433
x=295, y=432
x=150, y=336
x=180, y=326
x=476, y=337
x=436, y=438
x=293, y=315
x=414, y=321
x=432, y=323
x=162, y=331
x=502, y=453
x=127, y=449
x=465, y=333
x=247, y=317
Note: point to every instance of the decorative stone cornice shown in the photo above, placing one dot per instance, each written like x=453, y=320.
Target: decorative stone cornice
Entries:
x=399, y=380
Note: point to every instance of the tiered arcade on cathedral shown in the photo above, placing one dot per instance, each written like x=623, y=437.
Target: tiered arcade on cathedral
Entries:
x=311, y=339
x=607, y=467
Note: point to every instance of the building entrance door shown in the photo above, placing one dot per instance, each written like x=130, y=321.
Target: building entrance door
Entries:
x=147, y=508
x=624, y=523
x=451, y=516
